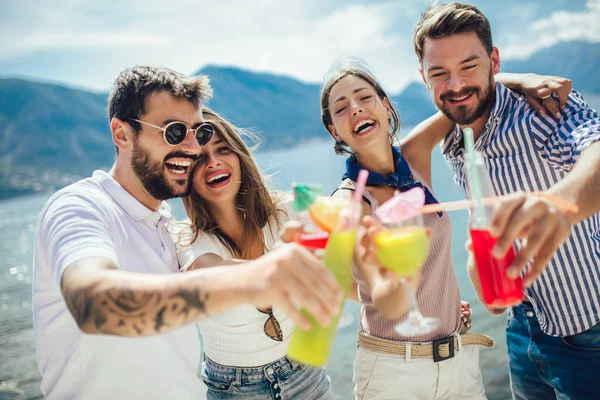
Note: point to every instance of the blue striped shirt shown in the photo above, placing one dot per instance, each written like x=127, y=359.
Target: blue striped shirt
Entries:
x=526, y=151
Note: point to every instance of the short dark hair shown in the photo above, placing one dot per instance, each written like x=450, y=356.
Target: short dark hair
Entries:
x=127, y=99
x=449, y=19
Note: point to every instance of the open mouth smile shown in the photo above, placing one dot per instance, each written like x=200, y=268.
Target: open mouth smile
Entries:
x=180, y=167
x=364, y=126
x=218, y=179
x=458, y=100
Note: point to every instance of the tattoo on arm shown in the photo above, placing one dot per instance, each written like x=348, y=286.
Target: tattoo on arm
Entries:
x=128, y=312
x=192, y=298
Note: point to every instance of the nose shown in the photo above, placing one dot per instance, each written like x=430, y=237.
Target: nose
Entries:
x=455, y=82
x=355, y=108
x=212, y=161
x=190, y=144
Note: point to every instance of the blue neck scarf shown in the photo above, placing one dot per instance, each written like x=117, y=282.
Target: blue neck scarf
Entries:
x=402, y=178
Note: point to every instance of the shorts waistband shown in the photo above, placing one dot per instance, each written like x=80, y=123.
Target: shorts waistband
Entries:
x=248, y=375
x=439, y=350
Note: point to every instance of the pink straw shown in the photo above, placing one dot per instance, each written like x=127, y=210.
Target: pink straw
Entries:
x=361, y=182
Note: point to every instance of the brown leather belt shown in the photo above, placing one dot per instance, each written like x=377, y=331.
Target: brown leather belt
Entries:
x=439, y=350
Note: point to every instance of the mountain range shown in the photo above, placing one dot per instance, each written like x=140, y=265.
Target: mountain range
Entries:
x=52, y=135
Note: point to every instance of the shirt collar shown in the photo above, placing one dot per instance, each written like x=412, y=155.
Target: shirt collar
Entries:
x=130, y=204
x=453, y=143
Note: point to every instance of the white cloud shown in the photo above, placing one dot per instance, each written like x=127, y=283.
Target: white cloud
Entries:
x=297, y=38
x=69, y=40
x=559, y=26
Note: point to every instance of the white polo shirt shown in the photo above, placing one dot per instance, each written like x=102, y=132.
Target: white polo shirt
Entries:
x=97, y=217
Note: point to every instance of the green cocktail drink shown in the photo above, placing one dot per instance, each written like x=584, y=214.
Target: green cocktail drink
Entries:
x=312, y=346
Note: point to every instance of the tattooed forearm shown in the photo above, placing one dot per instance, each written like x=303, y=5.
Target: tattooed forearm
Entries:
x=104, y=299
x=129, y=301
x=126, y=312
x=192, y=299
x=159, y=320
x=80, y=303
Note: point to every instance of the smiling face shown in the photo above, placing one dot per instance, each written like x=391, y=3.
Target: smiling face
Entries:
x=459, y=73
x=218, y=173
x=359, y=117
x=164, y=170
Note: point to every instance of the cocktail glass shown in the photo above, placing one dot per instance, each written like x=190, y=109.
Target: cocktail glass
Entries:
x=403, y=247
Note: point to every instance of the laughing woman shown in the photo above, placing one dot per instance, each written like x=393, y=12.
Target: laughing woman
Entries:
x=444, y=363
x=233, y=216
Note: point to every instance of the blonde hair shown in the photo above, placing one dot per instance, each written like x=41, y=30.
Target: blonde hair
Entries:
x=253, y=201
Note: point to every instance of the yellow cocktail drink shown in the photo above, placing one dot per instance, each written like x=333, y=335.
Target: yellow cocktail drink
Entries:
x=403, y=249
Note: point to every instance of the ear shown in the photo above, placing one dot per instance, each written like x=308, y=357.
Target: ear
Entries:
x=424, y=78
x=122, y=134
x=388, y=106
x=495, y=56
x=334, y=133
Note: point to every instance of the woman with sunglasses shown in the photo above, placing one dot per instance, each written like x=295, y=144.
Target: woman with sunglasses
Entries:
x=233, y=216
x=364, y=123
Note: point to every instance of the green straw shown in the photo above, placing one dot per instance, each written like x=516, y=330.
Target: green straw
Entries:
x=474, y=178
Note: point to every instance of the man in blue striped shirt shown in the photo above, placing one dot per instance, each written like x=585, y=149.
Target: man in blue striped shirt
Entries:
x=554, y=337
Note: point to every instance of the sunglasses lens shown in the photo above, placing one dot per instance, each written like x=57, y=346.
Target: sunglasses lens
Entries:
x=175, y=133
x=204, y=133
x=272, y=329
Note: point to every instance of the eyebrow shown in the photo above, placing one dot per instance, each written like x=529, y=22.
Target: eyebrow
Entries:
x=168, y=121
x=466, y=60
x=353, y=92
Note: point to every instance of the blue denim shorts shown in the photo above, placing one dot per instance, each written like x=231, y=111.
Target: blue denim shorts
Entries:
x=282, y=379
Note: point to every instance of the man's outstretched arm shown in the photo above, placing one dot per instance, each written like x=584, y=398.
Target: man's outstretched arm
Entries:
x=103, y=299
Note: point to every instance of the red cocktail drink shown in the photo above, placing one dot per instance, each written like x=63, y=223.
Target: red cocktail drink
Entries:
x=497, y=288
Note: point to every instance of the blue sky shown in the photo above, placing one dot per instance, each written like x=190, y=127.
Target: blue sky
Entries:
x=87, y=43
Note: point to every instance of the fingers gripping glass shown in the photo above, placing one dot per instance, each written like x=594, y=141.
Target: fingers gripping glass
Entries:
x=272, y=328
x=175, y=132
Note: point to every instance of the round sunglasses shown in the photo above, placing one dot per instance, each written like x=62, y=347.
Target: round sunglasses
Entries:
x=272, y=328
x=175, y=132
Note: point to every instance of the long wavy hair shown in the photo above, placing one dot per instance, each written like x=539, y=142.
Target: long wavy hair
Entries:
x=354, y=66
x=257, y=207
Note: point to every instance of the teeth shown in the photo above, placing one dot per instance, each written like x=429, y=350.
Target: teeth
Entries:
x=177, y=171
x=214, y=178
x=186, y=163
x=461, y=98
x=361, y=124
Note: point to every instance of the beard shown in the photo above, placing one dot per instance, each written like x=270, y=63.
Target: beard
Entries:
x=462, y=115
x=152, y=174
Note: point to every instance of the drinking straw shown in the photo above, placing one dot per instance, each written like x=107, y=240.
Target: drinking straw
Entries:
x=474, y=179
x=356, y=207
x=461, y=204
x=361, y=182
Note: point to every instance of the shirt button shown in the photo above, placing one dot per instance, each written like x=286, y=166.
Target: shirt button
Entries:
x=275, y=386
x=529, y=314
